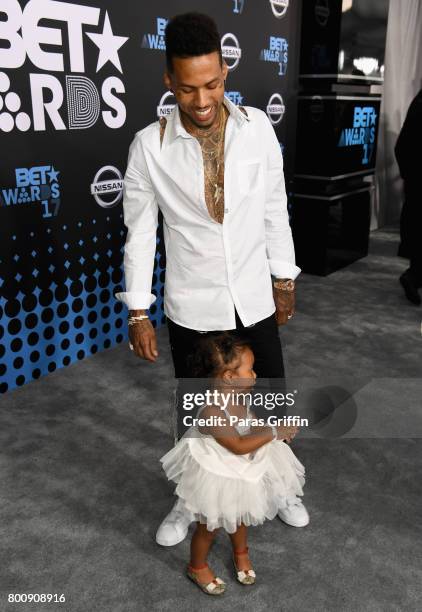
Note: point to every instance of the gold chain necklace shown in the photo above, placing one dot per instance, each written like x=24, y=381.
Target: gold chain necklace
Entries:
x=212, y=143
x=213, y=154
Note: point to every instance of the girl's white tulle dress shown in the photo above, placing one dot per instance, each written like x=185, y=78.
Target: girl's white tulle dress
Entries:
x=223, y=489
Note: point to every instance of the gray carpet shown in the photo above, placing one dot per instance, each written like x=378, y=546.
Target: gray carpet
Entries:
x=82, y=492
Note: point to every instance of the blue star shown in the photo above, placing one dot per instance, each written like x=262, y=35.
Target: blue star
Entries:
x=53, y=174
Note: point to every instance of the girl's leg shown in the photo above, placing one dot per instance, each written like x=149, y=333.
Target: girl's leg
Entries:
x=199, y=548
x=239, y=541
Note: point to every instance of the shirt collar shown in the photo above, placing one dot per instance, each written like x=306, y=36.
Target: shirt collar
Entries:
x=174, y=127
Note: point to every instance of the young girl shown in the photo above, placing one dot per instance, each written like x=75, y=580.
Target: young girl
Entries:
x=230, y=475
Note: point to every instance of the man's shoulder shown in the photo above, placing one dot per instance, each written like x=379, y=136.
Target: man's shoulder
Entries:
x=254, y=113
x=148, y=133
x=145, y=140
x=257, y=120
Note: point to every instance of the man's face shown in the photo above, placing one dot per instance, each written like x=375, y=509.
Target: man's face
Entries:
x=198, y=86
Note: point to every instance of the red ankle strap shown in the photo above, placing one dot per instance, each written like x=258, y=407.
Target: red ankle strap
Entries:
x=196, y=569
x=241, y=552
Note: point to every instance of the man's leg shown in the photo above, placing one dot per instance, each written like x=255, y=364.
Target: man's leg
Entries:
x=269, y=367
x=266, y=346
x=174, y=527
x=182, y=345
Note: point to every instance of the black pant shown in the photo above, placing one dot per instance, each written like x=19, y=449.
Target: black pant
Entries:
x=266, y=346
x=263, y=337
x=410, y=230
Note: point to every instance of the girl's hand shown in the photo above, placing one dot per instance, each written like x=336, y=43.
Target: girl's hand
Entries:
x=287, y=433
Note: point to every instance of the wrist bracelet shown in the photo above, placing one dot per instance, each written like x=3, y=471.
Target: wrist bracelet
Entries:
x=275, y=432
x=286, y=284
x=132, y=320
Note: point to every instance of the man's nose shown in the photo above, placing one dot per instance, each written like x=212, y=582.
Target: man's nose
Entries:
x=201, y=99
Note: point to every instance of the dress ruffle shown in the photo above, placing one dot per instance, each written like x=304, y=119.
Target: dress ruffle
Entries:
x=224, y=490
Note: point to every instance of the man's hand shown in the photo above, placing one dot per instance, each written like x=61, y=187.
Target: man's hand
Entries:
x=285, y=305
x=143, y=339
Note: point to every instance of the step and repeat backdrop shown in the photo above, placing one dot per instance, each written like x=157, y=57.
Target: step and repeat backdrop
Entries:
x=77, y=80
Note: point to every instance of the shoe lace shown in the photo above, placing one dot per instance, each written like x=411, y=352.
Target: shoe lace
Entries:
x=294, y=501
x=175, y=516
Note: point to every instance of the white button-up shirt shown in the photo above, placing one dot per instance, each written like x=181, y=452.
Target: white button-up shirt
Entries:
x=211, y=268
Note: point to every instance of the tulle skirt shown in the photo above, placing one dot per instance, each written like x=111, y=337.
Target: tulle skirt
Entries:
x=224, y=490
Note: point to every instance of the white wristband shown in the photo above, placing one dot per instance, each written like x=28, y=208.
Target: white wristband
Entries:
x=275, y=432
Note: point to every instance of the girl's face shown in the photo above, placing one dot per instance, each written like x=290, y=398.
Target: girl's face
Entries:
x=243, y=375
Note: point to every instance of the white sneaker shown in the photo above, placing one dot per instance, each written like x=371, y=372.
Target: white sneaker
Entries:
x=295, y=513
x=174, y=528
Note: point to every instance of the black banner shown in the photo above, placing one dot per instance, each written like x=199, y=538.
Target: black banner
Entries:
x=77, y=80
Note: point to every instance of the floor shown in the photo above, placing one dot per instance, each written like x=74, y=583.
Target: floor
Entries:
x=82, y=492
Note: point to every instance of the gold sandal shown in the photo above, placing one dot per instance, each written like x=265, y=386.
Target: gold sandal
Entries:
x=246, y=577
x=215, y=587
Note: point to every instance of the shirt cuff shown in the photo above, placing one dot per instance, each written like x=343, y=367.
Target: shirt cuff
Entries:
x=136, y=300
x=283, y=269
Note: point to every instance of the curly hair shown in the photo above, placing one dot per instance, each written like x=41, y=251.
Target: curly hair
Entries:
x=190, y=35
x=213, y=352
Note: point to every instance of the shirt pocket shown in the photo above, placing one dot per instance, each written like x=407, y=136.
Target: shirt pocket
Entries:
x=249, y=175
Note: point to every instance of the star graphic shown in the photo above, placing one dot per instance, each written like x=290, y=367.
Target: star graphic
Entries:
x=108, y=45
x=53, y=174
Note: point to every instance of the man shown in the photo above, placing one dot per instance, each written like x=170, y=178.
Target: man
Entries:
x=410, y=166
x=216, y=173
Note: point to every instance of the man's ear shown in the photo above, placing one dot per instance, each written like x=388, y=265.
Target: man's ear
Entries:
x=225, y=70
